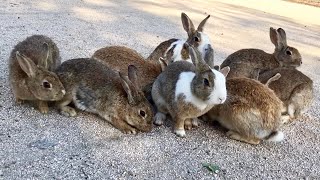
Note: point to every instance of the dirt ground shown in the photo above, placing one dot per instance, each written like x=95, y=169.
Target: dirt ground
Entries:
x=51, y=146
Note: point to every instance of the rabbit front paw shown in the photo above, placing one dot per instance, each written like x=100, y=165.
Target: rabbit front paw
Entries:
x=159, y=118
x=68, y=111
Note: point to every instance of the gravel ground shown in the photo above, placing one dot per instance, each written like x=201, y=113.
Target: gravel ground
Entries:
x=37, y=146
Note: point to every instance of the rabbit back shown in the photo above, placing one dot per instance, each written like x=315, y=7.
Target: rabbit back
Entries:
x=251, y=109
x=294, y=88
x=119, y=57
x=248, y=63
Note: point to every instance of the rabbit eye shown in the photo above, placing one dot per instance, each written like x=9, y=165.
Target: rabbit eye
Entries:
x=46, y=84
x=142, y=113
x=196, y=39
x=288, y=53
x=206, y=82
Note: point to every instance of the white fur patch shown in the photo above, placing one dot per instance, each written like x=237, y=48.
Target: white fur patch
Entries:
x=180, y=132
x=205, y=40
x=177, y=51
x=219, y=93
x=217, y=96
x=277, y=138
x=183, y=87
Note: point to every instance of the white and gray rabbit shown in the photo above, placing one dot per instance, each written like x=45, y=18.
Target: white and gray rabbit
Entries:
x=175, y=49
x=186, y=91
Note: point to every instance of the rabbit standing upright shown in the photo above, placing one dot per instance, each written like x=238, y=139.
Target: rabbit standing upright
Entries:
x=30, y=65
x=250, y=62
x=95, y=88
x=293, y=88
x=252, y=111
x=187, y=91
x=175, y=47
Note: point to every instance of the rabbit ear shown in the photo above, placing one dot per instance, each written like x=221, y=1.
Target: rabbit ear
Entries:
x=125, y=84
x=132, y=74
x=26, y=64
x=225, y=71
x=283, y=37
x=273, y=78
x=163, y=63
x=197, y=60
x=46, y=53
x=187, y=24
x=203, y=22
x=274, y=36
x=208, y=57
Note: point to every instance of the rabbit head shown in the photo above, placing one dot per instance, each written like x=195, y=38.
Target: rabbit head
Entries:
x=140, y=116
x=196, y=37
x=43, y=84
x=209, y=84
x=286, y=55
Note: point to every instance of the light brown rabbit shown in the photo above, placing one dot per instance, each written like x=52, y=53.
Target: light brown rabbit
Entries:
x=293, y=88
x=196, y=37
x=251, y=113
x=95, y=88
x=187, y=91
x=249, y=62
x=30, y=65
x=120, y=57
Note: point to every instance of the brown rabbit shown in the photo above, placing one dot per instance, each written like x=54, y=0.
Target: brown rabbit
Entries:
x=196, y=38
x=30, y=65
x=119, y=58
x=249, y=62
x=293, y=88
x=251, y=113
x=95, y=88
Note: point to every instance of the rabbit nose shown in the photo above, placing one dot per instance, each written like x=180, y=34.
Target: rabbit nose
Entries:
x=221, y=100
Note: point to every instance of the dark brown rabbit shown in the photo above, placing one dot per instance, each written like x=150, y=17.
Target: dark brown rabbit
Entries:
x=250, y=62
x=293, y=88
x=30, y=65
x=95, y=88
x=175, y=47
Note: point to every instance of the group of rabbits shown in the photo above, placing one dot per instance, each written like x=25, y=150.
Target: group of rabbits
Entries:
x=251, y=94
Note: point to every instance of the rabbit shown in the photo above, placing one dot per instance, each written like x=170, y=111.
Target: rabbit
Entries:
x=294, y=89
x=31, y=63
x=249, y=62
x=120, y=57
x=251, y=112
x=196, y=38
x=94, y=87
x=187, y=91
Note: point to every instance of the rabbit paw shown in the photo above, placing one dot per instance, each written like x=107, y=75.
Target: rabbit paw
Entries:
x=195, y=122
x=43, y=107
x=129, y=130
x=180, y=132
x=191, y=123
x=19, y=101
x=68, y=111
x=159, y=118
